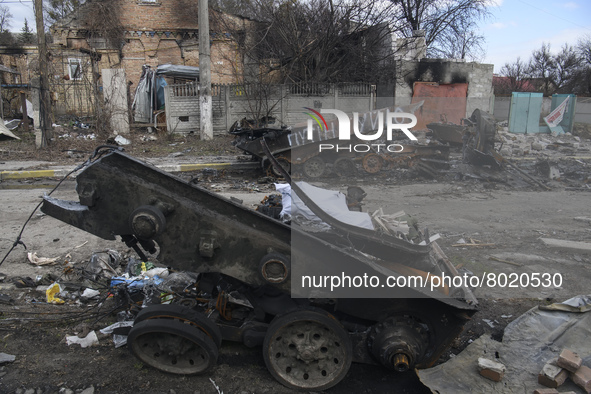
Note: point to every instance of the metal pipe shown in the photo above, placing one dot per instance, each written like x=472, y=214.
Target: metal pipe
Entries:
x=400, y=362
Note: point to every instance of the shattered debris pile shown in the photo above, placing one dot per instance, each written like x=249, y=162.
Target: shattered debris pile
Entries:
x=543, y=349
x=537, y=159
x=479, y=149
x=271, y=206
x=105, y=274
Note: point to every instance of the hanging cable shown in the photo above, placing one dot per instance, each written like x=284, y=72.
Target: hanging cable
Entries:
x=97, y=154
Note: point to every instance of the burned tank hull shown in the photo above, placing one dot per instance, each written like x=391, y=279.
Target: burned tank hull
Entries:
x=313, y=150
x=250, y=287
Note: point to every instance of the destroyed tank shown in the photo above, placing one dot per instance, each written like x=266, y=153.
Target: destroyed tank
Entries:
x=248, y=287
x=318, y=156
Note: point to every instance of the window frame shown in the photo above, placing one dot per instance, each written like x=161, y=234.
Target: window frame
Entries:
x=78, y=73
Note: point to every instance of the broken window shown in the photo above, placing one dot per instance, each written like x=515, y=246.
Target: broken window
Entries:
x=75, y=69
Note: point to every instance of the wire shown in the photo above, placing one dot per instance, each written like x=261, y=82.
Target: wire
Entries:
x=554, y=15
x=97, y=154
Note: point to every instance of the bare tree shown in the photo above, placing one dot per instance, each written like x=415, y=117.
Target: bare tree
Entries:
x=568, y=71
x=55, y=10
x=584, y=49
x=583, y=75
x=5, y=19
x=353, y=40
x=541, y=68
x=460, y=41
x=322, y=41
x=443, y=22
x=102, y=22
x=566, y=64
x=515, y=78
x=246, y=8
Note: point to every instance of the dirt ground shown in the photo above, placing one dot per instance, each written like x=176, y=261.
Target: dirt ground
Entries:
x=73, y=145
x=507, y=218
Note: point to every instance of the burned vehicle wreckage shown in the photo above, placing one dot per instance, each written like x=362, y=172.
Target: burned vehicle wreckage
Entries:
x=248, y=280
x=322, y=154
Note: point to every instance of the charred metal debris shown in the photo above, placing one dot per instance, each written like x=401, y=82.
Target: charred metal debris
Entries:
x=234, y=274
x=478, y=149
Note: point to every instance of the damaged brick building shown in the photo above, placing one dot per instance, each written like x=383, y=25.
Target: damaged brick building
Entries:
x=153, y=32
x=125, y=34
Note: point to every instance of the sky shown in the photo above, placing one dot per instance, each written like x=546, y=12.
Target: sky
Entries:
x=516, y=27
x=20, y=10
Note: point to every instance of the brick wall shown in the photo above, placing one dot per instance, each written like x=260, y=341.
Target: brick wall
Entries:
x=159, y=32
x=154, y=50
x=167, y=15
x=25, y=63
x=478, y=77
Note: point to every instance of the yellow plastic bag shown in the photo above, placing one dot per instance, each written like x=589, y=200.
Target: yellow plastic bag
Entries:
x=51, y=292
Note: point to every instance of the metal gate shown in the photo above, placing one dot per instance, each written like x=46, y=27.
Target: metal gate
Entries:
x=524, y=113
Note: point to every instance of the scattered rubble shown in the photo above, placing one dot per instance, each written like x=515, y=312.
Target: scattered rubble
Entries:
x=34, y=259
x=271, y=206
x=567, y=245
x=397, y=220
x=478, y=150
x=582, y=378
x=491, y=369
x=6, y=358
x=569, y=360
x=121, y=141
x=531, y=346
x=89, y=340
x=546, y=391
x=552, y=375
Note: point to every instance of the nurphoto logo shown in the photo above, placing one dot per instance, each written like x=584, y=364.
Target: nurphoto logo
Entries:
x=367, y=127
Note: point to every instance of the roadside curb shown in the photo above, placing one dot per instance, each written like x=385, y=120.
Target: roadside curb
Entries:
x=62, y=171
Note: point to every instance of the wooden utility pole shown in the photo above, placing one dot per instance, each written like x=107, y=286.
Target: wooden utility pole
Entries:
x=205, y=103
x=44, y=104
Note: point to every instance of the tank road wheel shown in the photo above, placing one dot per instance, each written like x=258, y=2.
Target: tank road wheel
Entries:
x=372, y=163
x=183, y=314
x=172, y=346
x=344, y=167
x=307, y=350
x=283, y=162
x=314, y=167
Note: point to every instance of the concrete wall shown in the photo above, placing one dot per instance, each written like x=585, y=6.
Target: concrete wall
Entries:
x=344, y=97
x=115, y=96
x=502, y=108
x=285, y=102
x=182, y=108
x=582, y=110
x=443, y=71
